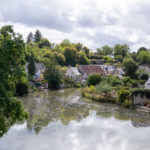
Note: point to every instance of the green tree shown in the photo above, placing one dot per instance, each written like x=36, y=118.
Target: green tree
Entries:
x=78, y=46
x=65, y=43
x=71, y=56
x=141, y=49
x=130, y=67
x=37, y=36
x=31, y=66
x=44, y=43
x=144, y=57
x=11, y=71
x=60, y=58
x=121, y=49
x=53, y=75
x=30, y=37
x=105, y=50
x=82, y=59
x=86, y=50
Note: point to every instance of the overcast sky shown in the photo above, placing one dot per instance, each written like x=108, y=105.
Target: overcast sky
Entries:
x=93, y=22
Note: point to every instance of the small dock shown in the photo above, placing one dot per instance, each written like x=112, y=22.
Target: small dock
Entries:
x=143, y=109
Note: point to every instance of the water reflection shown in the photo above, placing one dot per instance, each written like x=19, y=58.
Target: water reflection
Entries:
x=46, y=107
x=62, y=120
x=66, y=105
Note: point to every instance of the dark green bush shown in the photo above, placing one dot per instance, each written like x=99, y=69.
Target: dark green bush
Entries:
x=144, y=76
x=94, y=79
x=22, y=87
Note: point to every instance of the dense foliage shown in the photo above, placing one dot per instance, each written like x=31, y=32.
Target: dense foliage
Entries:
x=11, y=71
x=94, y=79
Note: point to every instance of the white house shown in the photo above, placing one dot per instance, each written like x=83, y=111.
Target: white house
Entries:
x=40, y=68
x=147, y=84
x=108, y=69
x=73, y=73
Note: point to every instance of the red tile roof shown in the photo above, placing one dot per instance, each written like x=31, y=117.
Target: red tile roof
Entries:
x=91, y=69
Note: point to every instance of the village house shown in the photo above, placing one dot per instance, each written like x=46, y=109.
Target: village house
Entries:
x=39, y=69
x=147, y=84
x=73, y=72
x=112, y=70
x=87, y=70
x=108, y=69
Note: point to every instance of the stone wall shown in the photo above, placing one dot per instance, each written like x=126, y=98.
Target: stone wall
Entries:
x=140, y=99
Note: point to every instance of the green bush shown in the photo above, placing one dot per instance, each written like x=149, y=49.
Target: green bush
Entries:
x=92, y=88
x=78, y=85
x=134, y=83
x=113, y=80
x=94, y=79
x=144, y=76
x=22, y=88
x=123, y=95
x=103, y=88
x=127, y=104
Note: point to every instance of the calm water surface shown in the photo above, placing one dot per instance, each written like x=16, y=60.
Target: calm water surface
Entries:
x=62, y=120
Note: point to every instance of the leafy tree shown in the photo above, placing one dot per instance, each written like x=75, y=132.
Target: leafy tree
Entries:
x=121, y=49
x=119, y=58
x=11, y=71
x=94, y=79
x=44, y=43
x=31, y=66
x=105, y=50
x=130, y=66
x=82, y=59
x=71, y=56
x=65, y=43
x=144, y=57
x=60, y=58
x=37, y=36
x=100, y=51
x=30, y=37
x=141, y=49
x=53, y=75
x=78, y=46
x=86, y=50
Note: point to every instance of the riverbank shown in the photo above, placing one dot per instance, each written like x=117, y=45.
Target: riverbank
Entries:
x=122, y=98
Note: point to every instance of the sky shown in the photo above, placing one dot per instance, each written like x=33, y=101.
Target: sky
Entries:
x=92, y=22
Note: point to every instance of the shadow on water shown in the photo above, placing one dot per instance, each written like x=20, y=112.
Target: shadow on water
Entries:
x=67, y=105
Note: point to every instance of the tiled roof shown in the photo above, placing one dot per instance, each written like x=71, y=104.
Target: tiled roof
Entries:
x=90, y=69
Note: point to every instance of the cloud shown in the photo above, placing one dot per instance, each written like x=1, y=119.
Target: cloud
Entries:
x=89, y=21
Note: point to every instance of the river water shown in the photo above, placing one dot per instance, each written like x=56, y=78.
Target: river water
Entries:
x=62, y=120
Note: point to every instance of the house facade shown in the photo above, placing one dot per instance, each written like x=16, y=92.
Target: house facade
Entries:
x=73, y=72
x=40, y=69
x=112, y=70
x=147, y=84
